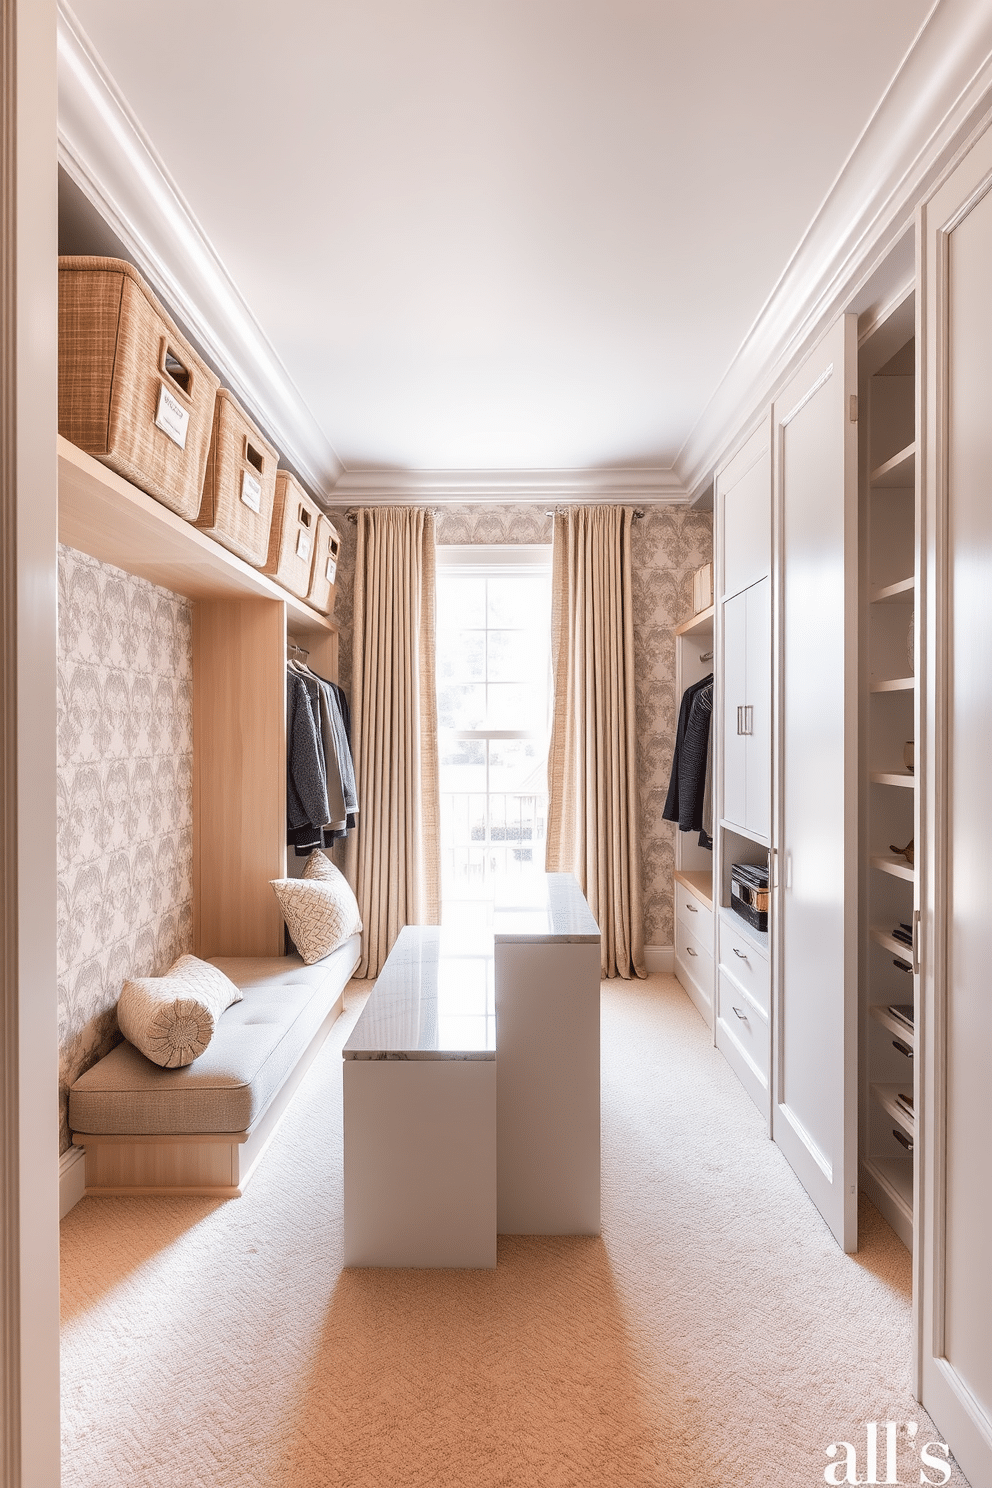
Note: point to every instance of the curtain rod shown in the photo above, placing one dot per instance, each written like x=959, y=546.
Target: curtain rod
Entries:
x=352, y=512
x=638, y=510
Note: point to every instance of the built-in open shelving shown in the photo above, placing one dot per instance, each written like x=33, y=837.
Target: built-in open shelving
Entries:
x=898, y=593
x=886, y=1095
x=892, y=777
x=883, y=938
x=107, y=517
x=897, y=472
x=890, y=602
x=700, y=624
x=889, y=863
x=893, y=1025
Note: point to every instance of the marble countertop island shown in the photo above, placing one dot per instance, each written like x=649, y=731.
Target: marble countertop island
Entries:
x=551, y=910
x=434, y=999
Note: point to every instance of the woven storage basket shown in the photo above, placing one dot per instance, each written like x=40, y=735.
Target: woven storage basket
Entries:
x=325, y=567
x=132, y=391
x=293, y=538
x=240, y=483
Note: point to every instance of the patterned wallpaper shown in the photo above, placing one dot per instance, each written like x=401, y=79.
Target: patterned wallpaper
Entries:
x=667, y=545
x=125, y=797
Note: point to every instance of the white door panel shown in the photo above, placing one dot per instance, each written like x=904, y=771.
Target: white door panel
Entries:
x=734, y=701
x=955, y=1123
x=758, y=783
x=747, y=527
x=814, y=1110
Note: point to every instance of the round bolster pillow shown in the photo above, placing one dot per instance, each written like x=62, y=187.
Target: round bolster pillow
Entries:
x=172, y=1018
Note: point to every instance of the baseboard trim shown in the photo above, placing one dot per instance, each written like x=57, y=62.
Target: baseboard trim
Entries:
x=660, y=958
x=72, y=1179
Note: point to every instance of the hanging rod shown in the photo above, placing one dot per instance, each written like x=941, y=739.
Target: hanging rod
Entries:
x=299, y=650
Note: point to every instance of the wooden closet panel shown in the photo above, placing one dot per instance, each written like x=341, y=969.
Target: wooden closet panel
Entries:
x=239, y=775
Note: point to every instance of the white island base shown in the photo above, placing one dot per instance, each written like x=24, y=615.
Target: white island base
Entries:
x=420, y=1168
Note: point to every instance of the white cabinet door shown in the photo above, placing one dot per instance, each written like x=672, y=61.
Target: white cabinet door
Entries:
x=734, y=702
x=747, y=709
x=758, y=719
x=814, y=1106
x=745, y=502
x=954, y=1127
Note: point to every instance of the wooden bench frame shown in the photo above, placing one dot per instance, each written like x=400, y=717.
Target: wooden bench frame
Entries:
x=197, y=1165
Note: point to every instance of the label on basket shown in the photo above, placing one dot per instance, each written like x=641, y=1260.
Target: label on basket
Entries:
x=251, y=491
x=331, y=570
x=303, y=543
x=171, y=417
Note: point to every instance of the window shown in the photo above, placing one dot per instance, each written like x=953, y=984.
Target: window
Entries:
x=493, y=692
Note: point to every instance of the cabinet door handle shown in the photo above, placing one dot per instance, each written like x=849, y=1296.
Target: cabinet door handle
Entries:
x=689, y=951
x=740, y=718
x=748, y=719
x=691, y=907
x=742, y=1016
x=742, y=954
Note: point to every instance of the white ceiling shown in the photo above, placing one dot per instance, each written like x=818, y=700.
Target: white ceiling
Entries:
x=497, y=236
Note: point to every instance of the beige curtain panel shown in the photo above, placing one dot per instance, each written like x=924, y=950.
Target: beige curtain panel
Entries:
x=393, y=861
x=592, y=763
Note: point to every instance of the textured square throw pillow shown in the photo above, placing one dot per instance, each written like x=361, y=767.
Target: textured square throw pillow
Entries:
x=172, y=1018
x=320, y=913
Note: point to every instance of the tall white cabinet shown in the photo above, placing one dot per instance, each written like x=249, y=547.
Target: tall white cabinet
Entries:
x=743, y=548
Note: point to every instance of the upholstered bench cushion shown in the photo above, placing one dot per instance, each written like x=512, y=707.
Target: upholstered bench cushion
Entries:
x=257, y=1043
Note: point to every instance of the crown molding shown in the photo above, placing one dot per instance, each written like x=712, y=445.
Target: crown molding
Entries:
x=942, y=88
x=113, y=162
x=525, y=487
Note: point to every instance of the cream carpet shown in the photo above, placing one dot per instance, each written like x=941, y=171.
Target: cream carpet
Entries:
x=714, y=1336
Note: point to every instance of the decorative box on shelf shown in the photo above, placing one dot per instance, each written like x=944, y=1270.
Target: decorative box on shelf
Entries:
x=702, y=588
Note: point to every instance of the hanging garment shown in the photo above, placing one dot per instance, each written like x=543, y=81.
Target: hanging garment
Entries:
x=692, y=764
x=329, y=711
x=342, y=733
x=671, y=810
x=306, y=780
x=706, y=831
x=332, y=764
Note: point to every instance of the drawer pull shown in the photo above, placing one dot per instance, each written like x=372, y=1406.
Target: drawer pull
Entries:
x=742, y=954
x=742, y=1016
x=691, y=907
x=689, y=951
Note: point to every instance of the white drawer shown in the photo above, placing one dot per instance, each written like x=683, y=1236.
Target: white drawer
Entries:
x=694, y=914
x=694, y=956
x=745, y=1026
x=744, y=961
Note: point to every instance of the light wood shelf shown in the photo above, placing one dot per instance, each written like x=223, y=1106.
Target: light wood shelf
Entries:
x=896, y=473
x=701, y=624
x=883, y=938
x=897, y=867
x=901, y=593
x=892, y=1024
x=107, y=517
x=698, y=881
x=893, y=684
x=892, y=777
x=885, y=1095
